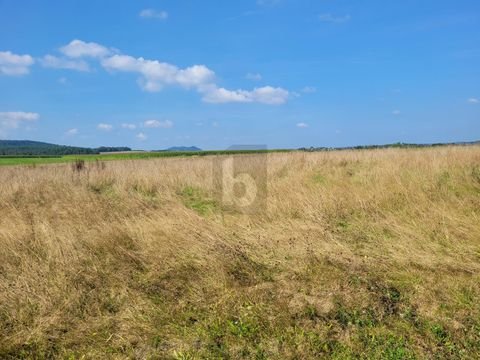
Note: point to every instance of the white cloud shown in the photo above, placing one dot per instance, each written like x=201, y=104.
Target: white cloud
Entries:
x=270, y=95
x=79, y=48
x=13, y=119
x=141, y=136
x=302, y=125
x=72, y=132
x=129, y=126
x=309, y=89
x=153, y=14
x=217, y=95
x=268, y=2
x=195, y=75
x=254, y=77
x=473, y=101
x=156, y=74
x=265, y=95
x=51, y=61
x=15, y=65
x=104, y=127
x=334, y=19
x=396, y=112
x=166, y=124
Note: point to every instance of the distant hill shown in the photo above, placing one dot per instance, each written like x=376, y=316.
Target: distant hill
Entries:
x=183, y=148
x=28, y=147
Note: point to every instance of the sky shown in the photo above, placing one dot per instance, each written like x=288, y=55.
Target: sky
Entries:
x=150, y=74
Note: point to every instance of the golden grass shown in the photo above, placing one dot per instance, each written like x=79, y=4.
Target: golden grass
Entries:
x=370, y=254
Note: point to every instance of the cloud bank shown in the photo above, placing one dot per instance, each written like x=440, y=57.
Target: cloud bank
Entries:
x=155, y=75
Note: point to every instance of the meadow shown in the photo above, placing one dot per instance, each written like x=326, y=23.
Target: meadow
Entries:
x=371, y=254
x=7, y=160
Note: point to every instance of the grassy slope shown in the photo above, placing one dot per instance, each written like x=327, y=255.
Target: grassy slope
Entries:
x=370, y=254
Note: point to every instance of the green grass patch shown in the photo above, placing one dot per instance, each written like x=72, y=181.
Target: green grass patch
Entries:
x=29, y=160
x=319, y=179
x=196, y=199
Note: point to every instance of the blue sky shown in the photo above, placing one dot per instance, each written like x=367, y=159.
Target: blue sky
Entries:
x=283, y=73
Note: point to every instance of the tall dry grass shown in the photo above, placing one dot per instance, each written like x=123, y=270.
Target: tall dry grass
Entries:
x=372, y=254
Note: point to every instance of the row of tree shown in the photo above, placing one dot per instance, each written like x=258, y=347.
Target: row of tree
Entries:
x=27, y=147
x=386, y=146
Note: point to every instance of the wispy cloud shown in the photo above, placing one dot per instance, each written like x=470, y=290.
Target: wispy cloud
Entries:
x=396, y=112
x=166, y=124
x=329, y=18
x=309, y=90
x=264, y=95
x=71, y=132
x=473, y=101
x=268, y=2
x=51, y=61
x=14, y=119
x=15, y=65
x=153, y=14
x=141, y=136
x=302, y=125
x=104, y=127
x=244, y=14
x=129, y=126
x=254, y=76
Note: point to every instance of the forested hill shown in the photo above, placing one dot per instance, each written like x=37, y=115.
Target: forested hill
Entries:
x=27, y=147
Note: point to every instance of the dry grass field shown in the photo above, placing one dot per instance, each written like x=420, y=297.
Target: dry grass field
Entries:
x=358, y=254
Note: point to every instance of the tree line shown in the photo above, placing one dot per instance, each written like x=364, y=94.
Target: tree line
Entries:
x=31, y=148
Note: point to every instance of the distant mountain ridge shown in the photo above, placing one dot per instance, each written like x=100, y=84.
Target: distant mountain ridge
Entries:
x=29, y=147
